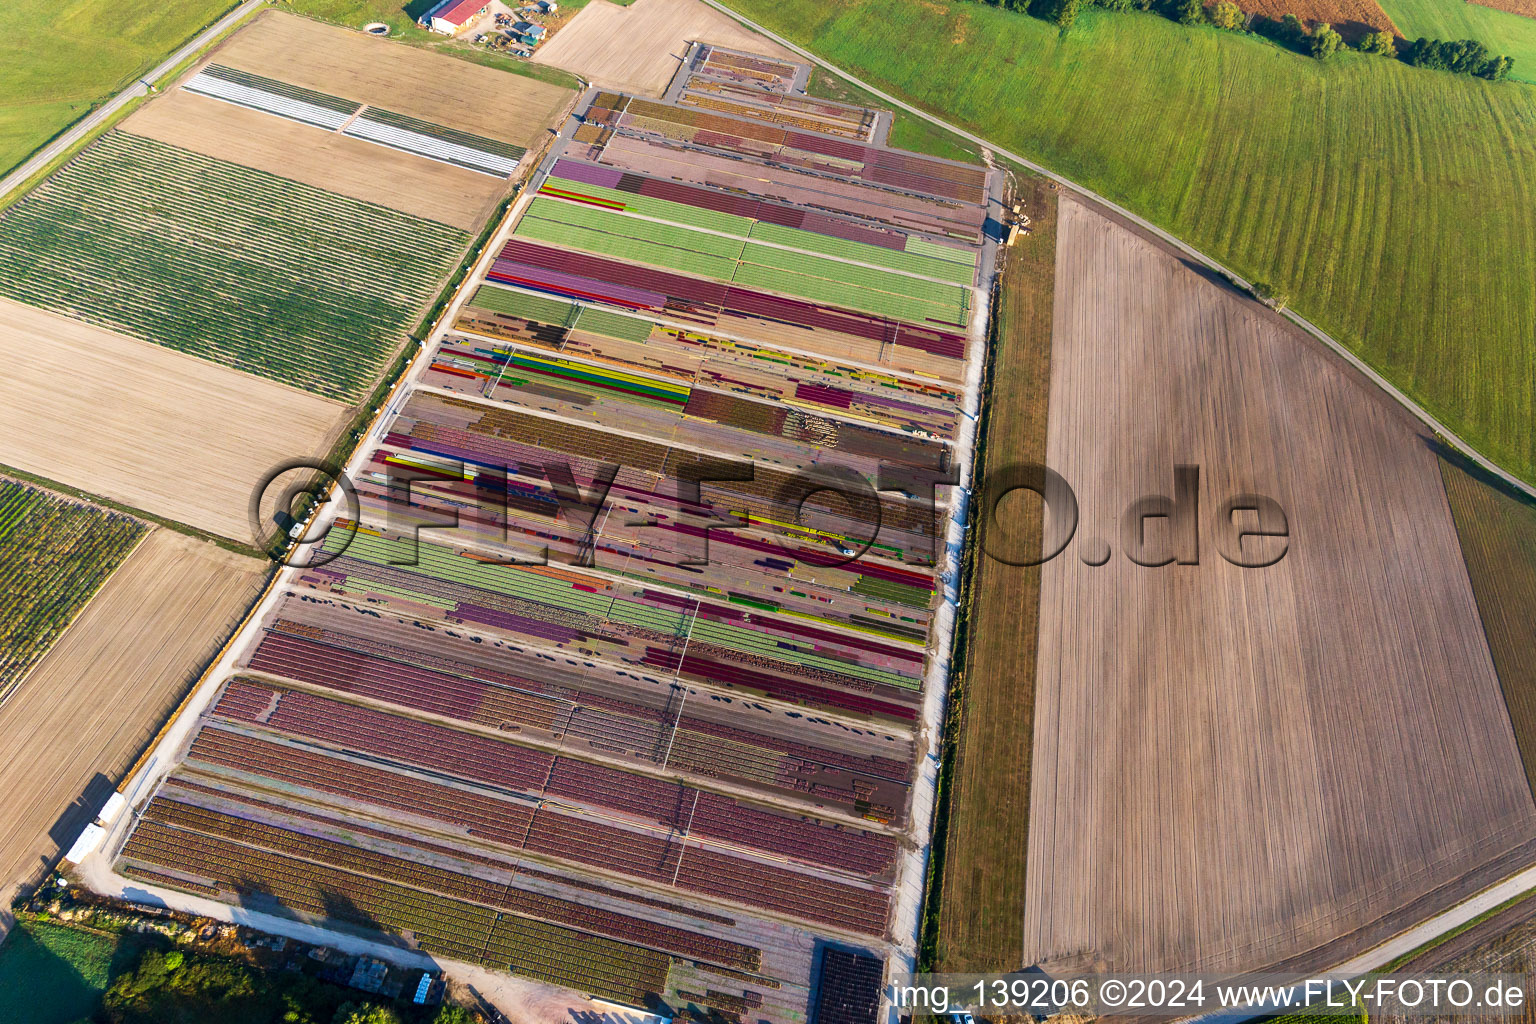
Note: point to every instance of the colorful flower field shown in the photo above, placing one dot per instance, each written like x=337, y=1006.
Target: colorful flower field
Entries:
x=618, y=675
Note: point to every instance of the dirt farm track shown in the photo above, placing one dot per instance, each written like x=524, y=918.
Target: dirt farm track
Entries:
x=637, y=48
x=139, y=423
x=1236, y=766
x=99, y=695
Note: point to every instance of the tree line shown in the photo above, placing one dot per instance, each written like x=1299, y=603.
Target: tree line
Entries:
x=1461, y=56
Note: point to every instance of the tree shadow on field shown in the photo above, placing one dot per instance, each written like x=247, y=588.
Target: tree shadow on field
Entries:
x=1478, y=473
x=1275, y=31
x=66, y=828
x=1214, y=277
x=254, y=895
x=416, y=8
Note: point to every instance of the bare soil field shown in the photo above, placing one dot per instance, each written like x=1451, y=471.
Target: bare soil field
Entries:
x=363, y=170
x=407, y=80
x=981, y=901
x=1352, y=18
x=1235, y=766
x=638, y=48
x=1522, y=7
x=1498, y=538
x=102, y=692
x=144, y=425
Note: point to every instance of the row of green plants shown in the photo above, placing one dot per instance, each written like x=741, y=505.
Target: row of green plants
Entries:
x=1461, y=56
x=54, y=554
x=232, y=264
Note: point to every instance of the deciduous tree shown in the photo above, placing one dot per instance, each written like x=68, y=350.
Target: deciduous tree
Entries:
x=1226, y=14
x=1326, y=42
x=1379, y=43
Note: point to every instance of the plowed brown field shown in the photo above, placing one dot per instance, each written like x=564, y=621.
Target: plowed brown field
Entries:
x=102, y=692
x=1239, y=766
x=153, y=428
x=328, y=160
x=381, y=73
x=1352, y=18
x=638, y=48
x=1524, y=7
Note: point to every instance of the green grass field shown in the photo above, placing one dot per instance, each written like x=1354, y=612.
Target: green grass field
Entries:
x=54, y=555
x=232, y=264
x=58, y=61
x=1500, y=31
x=1399, y=212
x=792, y=272
x=50, y=974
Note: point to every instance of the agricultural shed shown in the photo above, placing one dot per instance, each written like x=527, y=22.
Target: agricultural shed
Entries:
x=452, y=16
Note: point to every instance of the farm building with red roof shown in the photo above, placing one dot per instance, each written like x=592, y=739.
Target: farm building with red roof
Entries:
x=452, y=16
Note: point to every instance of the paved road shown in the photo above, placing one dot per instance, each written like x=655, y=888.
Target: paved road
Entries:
x=46, y=155
x=1306, y=325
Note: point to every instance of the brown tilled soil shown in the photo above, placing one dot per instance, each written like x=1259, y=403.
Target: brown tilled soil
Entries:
x=155, y=429
x=1498, y=538
x=1351, y=18
x=1234, y=766
x=637, y=49
x=396, y=76
x=1523, y=7
x=314, y=156
x=81, y=718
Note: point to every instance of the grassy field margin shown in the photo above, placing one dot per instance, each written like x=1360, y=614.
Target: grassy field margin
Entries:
x=974, y=912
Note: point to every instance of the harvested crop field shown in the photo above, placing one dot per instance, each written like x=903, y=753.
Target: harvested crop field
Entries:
x=1352, y=18
x=637, y=48
x=102, y=692
x=381, y=73
x=1284, y=756
x=1498, y=538
x=54, y=553
x=324, y=160
x=146, y=426
x=236, y=265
